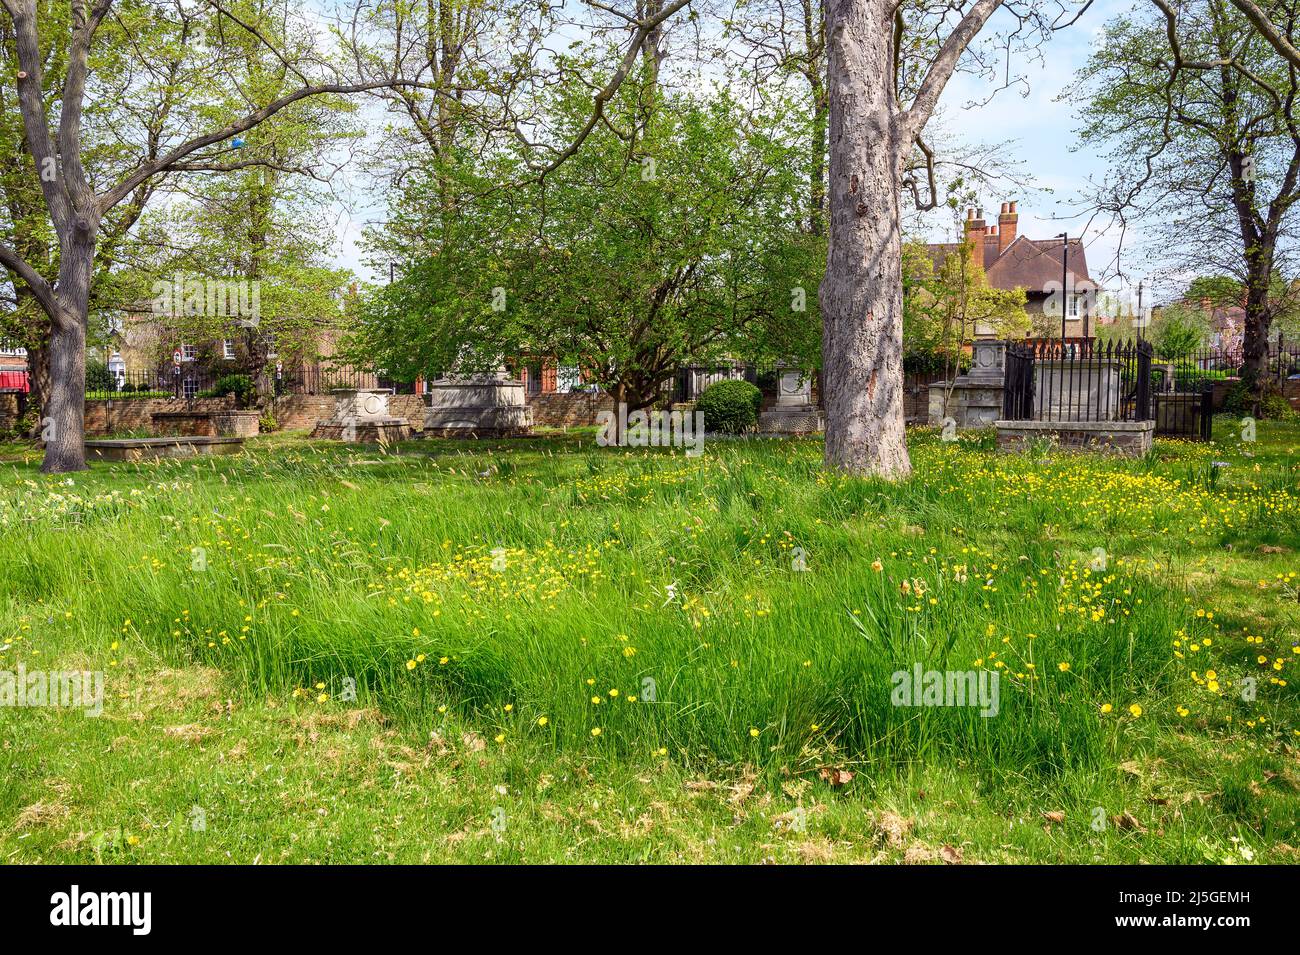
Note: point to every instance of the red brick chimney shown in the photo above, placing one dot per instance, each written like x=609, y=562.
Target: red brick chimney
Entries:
x=991, y=250
x=1007, y=220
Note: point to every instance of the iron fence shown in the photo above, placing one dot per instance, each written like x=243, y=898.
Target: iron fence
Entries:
x=120, y=384
x=1112, y=381
x=190, y=382
x=1078, y=381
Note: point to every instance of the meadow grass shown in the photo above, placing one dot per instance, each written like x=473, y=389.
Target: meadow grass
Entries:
x=537, y=626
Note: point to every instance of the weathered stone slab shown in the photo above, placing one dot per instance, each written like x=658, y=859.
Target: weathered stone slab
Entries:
x=145, y=449
x=1129, y=438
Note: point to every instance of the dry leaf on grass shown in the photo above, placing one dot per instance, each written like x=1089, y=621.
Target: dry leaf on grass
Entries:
x=189, y=733
x=834, y=776
x=951, y=855
x=1126, y=820
x=1056, y=817
x=40, y=814
x=918, y=853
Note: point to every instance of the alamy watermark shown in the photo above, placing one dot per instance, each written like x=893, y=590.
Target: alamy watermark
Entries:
x=71, y=689
x=652, y=429
x=196, y=295
x=921, y=687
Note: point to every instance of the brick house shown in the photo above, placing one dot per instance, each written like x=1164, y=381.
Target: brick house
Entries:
x=1013, y=261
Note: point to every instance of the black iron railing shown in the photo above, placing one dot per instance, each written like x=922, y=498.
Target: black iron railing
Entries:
x=1078, y=381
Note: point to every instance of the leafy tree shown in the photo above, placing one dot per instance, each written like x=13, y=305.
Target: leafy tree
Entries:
x=1178, y=331
x=174, y=107
x=1199, y=110
x=948, y=302
x=626, y=260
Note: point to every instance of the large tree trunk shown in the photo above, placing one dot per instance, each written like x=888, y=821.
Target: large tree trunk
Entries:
x=63, y=423
x=1255, y=331
x=862, y=294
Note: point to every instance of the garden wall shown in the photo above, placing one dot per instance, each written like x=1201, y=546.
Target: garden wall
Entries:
x=573, y=409
x=301, y=412
x=114, y=416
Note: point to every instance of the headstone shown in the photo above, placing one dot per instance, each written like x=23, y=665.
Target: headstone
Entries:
x=973, y=400
x=794, y=412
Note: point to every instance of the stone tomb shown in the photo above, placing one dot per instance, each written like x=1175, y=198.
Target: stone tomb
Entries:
x=146, y=449
x=361, y=417
x=973, y=400
x=478, y=406
x=794, y=412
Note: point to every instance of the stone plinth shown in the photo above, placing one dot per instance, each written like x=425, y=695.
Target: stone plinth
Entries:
x=1129, y=438
x=973, y=400
x=794, y=412
x=144, y=449
x=477, y=406
x=361, y=417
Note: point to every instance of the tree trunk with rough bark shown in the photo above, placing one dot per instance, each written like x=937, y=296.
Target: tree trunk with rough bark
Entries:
x=1254, y=352
x=64, y=415
x=862, y=294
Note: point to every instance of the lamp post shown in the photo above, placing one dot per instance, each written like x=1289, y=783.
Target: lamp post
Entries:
x=1065, y=277
x=1140, y=323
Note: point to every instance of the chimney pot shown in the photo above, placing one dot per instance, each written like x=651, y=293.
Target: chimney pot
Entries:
x=970, y=212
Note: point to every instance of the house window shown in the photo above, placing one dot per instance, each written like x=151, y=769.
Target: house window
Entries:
x=1074, y=306
x=189, y=352
x=190, y=387
x=227, y=349
x=9, y=349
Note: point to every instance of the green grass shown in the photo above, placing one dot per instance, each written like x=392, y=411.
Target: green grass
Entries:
x=753, y=607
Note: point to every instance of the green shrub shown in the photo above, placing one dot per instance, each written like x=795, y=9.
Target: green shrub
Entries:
x=241, y=386
x=268, y=423
x=99, y=378
x=1240, y=402
x=730, y=407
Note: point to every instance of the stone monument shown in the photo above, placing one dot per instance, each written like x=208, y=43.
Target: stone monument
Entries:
x=974, y=400
x=361, y=417
x=794, y=411
x=478, y=406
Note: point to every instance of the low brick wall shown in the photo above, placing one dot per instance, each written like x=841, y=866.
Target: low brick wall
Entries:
x=916, y=404
x=1130, y=438
x=296, y=412
x=573, y=409
x=410, y=407
x=116, y=415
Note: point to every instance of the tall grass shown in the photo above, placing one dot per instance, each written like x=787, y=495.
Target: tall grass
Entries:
x=515, y=584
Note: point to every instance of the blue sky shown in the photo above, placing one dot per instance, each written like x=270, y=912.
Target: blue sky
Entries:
x=1040, y=127
x=1043, y=132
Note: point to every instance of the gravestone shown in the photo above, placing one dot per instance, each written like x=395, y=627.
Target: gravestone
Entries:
x=973, y=400
x=794, y=411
